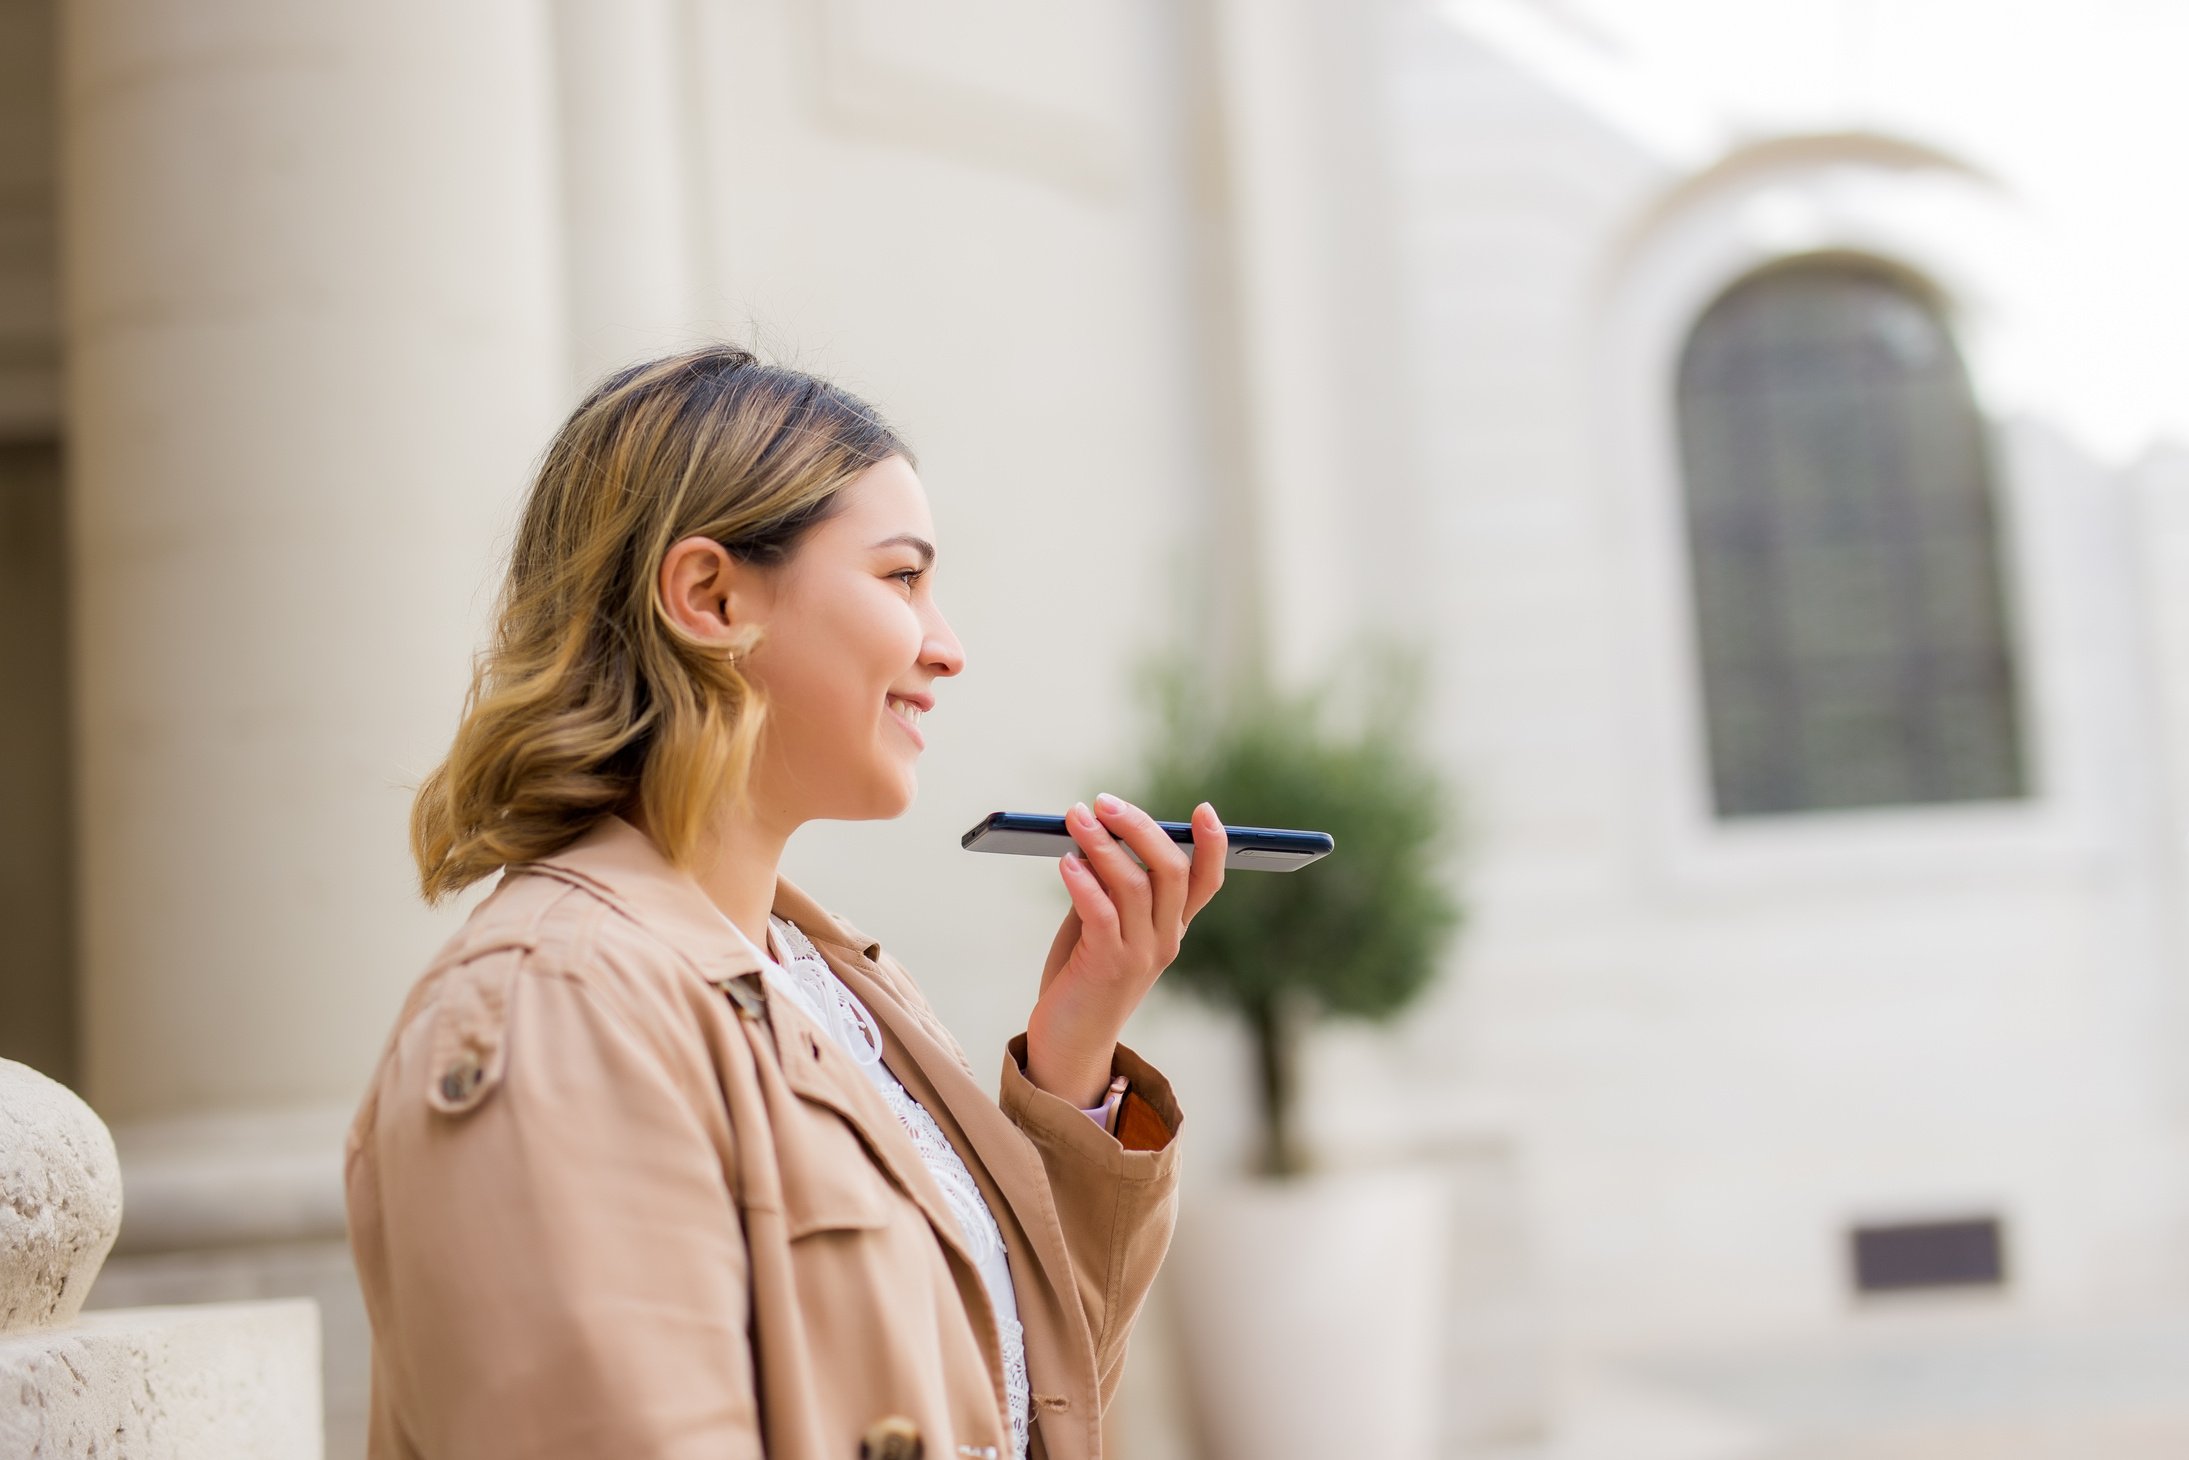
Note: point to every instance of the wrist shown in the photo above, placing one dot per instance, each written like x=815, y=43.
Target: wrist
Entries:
x=1079, y=1077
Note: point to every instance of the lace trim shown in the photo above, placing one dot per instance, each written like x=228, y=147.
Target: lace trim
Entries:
x=825, y=999
x=1015, y=1383
x=975, y=1222
x=848, y=1020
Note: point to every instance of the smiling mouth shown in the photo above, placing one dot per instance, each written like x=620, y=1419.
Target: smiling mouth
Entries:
x=908, y=716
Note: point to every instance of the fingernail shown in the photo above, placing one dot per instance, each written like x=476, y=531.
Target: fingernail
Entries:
x=1109, y=803
x=1081, y=814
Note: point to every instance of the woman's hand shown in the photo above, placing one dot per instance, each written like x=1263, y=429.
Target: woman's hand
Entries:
x=1124, y=929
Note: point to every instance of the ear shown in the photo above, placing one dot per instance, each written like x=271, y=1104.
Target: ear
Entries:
x=709, y=594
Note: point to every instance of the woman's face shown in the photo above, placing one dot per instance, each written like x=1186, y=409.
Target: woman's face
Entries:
x=853, y=643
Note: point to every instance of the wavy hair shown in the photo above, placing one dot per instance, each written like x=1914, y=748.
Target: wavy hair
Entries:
x=589, y=700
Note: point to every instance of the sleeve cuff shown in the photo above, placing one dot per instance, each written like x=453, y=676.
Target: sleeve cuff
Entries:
x=1146, y=1125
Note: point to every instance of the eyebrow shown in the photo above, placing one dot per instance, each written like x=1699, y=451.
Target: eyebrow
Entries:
x=920, y=545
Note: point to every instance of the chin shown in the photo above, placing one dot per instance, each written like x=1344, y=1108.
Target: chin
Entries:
x=893, y=797
x=902, y=802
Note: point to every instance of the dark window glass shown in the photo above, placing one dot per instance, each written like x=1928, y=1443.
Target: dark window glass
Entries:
x=1848, y=604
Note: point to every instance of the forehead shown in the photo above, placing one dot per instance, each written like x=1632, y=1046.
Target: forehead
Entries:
x=883, y=500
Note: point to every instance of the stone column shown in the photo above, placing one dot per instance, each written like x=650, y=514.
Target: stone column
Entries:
x=313, y=339
x=1308, y=326
x=628, y=200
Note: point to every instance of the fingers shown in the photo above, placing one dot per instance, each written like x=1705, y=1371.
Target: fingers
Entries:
x=1167, y=866
x=1091, y=905
x=1118, y=875
x=1210, y=844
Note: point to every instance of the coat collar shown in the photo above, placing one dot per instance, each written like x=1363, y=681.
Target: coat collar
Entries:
x=617, y=861
x=620, y=864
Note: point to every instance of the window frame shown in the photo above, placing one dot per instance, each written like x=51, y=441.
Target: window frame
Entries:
x=1866, y=268
x=1943, y=227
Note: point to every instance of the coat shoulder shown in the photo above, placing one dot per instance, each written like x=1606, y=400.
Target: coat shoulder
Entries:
x=560, y=929
x=449, y=1048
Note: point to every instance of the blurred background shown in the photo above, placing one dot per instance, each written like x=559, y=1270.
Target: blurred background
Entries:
x=1768, y=420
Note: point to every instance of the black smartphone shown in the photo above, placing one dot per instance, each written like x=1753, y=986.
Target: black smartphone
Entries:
x=1249, y=848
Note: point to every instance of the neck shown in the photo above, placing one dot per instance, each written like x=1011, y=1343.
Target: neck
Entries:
x=736, y=867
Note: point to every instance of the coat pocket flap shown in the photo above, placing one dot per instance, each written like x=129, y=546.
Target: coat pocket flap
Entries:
x=830, y=1181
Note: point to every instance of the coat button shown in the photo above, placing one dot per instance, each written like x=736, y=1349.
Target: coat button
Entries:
x=894, y=1438
x=460, y=1079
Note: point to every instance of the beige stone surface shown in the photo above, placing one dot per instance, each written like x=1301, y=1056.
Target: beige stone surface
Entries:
x=317, y=1271
x=236, y=1381
x=246, y=1207
x=60, y=1199
x=1937, y=1381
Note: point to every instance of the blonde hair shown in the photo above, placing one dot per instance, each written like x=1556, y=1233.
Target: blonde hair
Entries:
x=590, y=701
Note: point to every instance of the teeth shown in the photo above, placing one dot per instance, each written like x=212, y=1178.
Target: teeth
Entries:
x=910, y=711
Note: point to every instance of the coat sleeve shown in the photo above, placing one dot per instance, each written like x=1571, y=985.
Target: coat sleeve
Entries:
x=553, y=1263
x=1116, y=1195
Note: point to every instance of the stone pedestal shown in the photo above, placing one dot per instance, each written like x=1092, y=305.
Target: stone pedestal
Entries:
x=218, y=1381
x=212, y=1381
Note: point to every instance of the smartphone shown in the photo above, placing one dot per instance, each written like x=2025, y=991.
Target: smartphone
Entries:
x=1250, y=848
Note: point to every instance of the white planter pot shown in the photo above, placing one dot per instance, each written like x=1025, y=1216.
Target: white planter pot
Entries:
x=1312, y=1314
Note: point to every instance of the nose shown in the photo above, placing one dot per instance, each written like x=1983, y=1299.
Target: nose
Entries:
x=942, y=652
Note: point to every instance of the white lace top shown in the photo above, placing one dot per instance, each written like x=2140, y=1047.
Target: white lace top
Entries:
x=801, y=974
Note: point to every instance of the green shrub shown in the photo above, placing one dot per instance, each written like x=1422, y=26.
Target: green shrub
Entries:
x=1358, y=934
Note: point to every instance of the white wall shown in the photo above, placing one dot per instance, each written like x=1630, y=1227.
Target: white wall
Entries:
x=1726, y=1046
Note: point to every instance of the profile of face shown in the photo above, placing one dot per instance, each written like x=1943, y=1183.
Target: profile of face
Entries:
x=852, y=644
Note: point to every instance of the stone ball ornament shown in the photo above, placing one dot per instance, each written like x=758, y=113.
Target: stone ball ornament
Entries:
x=60, y=1199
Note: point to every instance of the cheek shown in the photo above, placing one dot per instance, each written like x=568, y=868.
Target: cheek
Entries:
x=833, y=671
x=889, y=640
x=874, y=643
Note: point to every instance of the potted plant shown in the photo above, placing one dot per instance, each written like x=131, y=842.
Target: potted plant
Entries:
x=1309, y=1292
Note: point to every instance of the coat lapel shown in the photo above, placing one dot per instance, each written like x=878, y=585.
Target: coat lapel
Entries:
x=1059, y=1353
x=816, y=1070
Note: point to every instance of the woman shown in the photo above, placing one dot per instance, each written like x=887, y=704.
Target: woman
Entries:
x=662, y=1159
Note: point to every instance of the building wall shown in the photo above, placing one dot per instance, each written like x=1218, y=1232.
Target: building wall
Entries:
x=1725, y=1046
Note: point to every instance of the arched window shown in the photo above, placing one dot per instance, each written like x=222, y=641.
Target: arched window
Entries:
x=1848, y=604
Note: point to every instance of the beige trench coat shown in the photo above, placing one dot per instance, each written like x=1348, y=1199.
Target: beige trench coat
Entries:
x=599, y=1211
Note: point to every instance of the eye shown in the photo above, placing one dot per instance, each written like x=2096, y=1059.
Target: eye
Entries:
x=910, y=575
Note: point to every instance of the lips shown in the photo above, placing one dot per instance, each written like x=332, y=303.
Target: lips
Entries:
x=907, y=714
